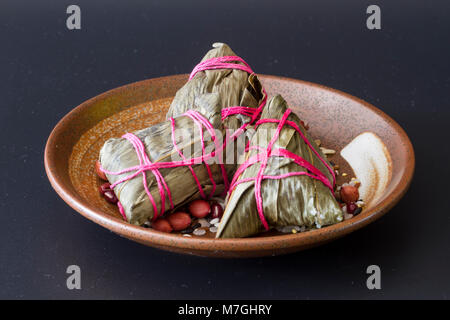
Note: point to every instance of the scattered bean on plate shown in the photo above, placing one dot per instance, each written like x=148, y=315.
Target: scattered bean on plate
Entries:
x=162, y=225
x=199, y=208
x=216, y=210
x=351, y=207
x=349, y=193
x=99, y=172
x=197, y=225
x=108, y=193
x=179, y=220
x=187, y=230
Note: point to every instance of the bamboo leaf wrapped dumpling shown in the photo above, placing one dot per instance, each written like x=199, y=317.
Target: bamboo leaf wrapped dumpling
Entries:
x=178, y=184
x=228, y=85
x=301, y=197
x=222, y=87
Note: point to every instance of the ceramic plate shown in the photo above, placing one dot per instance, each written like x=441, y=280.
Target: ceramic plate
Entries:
x=369, y=144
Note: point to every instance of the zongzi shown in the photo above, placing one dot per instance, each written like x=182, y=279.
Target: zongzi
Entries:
x=147, y=173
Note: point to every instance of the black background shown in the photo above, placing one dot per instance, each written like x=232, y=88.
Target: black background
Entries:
x=46, y=70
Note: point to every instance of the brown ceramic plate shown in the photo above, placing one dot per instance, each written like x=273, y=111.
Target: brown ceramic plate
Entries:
x=335, y=118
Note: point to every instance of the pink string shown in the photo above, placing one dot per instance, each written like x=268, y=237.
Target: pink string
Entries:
x=224, y=63
x=221, y=63
x=121, y=210
x=265, y=154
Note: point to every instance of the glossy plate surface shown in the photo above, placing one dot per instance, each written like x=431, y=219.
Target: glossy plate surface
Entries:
x=334, y=117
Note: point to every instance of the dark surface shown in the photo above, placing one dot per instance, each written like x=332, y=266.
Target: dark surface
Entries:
x=46, y=70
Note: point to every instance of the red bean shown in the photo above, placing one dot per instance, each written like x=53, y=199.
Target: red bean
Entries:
x=99, y=172
x=351, y=207
x=162, y=225
x=108, y=193
x=110, y=196
x=199, y=208
x=179, y=220
x=104, y=187
x=216, y=210
x=349, y=194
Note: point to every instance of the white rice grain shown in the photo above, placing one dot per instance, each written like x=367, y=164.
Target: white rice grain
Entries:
x=203, y=223
x=199, y=232
x=214, y=221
